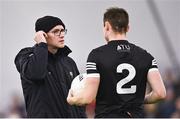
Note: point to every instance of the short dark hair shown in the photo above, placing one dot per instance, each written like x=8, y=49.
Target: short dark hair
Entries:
x=118, y=18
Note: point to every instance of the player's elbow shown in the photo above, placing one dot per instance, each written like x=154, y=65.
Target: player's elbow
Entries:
x=161, y=94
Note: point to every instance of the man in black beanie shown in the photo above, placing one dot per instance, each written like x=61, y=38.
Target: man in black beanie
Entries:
x=47, y=71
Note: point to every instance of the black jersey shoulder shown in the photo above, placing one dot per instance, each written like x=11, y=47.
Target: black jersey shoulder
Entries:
x=137, y=54
x=133, y=47
x=141, y=51
x=100, y=48
x=95, y=52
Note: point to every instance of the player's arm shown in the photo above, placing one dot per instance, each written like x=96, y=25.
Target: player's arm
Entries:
x=158, y=89
x=87, y=94
x=91, y=84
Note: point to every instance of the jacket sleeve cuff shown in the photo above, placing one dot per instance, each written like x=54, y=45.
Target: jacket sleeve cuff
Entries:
x=42, y=44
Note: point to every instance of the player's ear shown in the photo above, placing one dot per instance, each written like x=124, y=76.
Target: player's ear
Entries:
x=107, y=26
x=127, y=30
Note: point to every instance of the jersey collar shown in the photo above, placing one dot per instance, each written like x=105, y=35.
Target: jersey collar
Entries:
x=118, y=41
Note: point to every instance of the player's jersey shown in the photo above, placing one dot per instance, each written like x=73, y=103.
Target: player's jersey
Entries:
x=123, y=69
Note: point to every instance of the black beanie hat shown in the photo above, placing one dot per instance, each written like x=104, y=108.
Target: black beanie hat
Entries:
x=46, y=23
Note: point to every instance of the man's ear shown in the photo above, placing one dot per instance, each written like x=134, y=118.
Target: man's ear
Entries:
x=127, y=30
x=107, y=26
x=45, y=35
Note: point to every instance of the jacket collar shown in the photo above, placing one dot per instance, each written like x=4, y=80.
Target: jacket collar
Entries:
x=62, y=51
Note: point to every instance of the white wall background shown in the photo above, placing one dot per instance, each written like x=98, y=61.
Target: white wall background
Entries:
x=83, y=19
x=0, y=57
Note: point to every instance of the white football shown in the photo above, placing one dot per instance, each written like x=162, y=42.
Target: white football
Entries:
x=78, y=83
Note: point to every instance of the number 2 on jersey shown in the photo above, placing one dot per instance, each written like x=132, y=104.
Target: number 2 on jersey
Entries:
x=131, y=75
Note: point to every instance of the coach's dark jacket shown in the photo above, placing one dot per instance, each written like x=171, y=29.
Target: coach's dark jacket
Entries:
x=46, y=79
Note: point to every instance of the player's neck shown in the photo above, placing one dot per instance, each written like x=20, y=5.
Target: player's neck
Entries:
x=117, y=37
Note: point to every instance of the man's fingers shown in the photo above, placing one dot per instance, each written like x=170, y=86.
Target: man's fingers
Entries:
x=40, y=36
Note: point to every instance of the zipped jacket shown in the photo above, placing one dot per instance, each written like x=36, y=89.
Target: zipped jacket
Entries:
x=46, y=80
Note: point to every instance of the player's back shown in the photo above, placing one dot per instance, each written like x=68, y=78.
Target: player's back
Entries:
x=123, y=69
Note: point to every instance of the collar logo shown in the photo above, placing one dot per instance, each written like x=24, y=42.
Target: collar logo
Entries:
x=123, y=48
